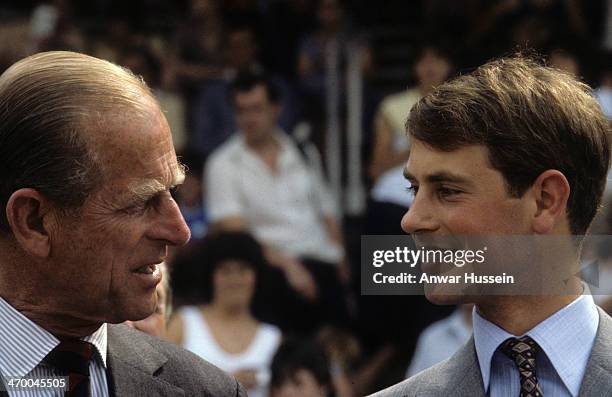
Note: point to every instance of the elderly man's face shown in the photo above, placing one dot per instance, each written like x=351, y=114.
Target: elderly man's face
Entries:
x=155, y=324
x=108, y=259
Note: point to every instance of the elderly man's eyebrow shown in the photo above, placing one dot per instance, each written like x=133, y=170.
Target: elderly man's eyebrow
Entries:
x=148, y=188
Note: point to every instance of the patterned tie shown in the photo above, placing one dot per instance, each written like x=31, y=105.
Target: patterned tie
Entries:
x=523, y=352
x=71, y=358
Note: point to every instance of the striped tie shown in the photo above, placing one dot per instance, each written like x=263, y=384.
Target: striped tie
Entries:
x=523, y=352
x=71, y=358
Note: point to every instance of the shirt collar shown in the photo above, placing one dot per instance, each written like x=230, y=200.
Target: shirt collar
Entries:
x=566, y=338
x=24, y=344
x=100, y=341
x=288, y=151
x=281, y=137
x=458, y=325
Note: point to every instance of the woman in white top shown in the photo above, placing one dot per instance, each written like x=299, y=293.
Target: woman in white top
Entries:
x=391, y=147
x=223, y=331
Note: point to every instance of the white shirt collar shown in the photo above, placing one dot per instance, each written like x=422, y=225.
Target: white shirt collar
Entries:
x=279, y=135
x=566, y=338
x=287, y=156
x=24, y=344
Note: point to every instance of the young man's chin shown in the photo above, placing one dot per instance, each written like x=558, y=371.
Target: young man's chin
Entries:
x=442, y=300
x=442, y=295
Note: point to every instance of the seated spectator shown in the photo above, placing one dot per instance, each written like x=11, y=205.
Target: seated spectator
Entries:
x=441, y=340
x=196, y=46
x=505, y=25
x=261, y=181
x=323, y=58
x=604, y=92
x=213, y=114
x=565, y=60
x=343, y=351
x=390, y=153
x=156, y=323
x=141, y=60
x=224, y=329
x=53, y=27
x=393, y=337
x=300, y=369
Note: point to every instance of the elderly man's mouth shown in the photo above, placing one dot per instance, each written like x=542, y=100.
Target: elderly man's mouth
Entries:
x=147, y=269
x=150, y=274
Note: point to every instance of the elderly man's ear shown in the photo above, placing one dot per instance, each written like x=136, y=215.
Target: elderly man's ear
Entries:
x=26, y=211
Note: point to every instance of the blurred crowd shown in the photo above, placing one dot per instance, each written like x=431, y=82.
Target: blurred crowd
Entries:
x=260, y=96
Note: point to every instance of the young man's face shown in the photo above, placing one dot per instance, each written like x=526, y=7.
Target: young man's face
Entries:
x=458, y=193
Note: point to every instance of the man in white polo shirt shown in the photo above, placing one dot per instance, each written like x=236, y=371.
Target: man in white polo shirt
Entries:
x=260, y=180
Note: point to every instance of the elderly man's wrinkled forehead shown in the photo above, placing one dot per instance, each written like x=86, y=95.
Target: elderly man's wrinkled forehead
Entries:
x=135, y=135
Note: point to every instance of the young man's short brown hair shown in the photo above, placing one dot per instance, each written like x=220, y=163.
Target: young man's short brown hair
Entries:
x=531, y=118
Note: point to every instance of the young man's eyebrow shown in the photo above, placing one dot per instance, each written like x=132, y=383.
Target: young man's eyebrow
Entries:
x=408, y=175
x=445, y=176
x=438, y=177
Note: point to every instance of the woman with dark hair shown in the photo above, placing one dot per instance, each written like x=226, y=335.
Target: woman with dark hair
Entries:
x=223, y=329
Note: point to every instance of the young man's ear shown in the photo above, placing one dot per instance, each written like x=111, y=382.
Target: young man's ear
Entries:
x=25, y=211
x=551, y=190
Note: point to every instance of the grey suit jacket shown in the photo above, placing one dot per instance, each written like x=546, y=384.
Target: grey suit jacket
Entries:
x=140, y=365
x=460, y=375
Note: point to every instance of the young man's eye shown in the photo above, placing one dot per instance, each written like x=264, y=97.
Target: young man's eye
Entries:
x=444, y=192
x=412, y=189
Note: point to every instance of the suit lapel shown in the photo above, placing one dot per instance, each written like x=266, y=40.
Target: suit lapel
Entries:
x=460, y=376
x=469, y=378
x=598, y=376
x=125, y=380
x=132, y=365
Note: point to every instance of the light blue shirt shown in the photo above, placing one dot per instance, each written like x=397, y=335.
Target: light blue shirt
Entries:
x=565, y=339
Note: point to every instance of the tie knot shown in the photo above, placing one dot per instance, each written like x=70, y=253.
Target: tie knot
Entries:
x=71, y=356
x=515, y=348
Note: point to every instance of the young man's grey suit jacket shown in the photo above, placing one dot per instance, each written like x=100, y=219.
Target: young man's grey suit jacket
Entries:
x=460, y=375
